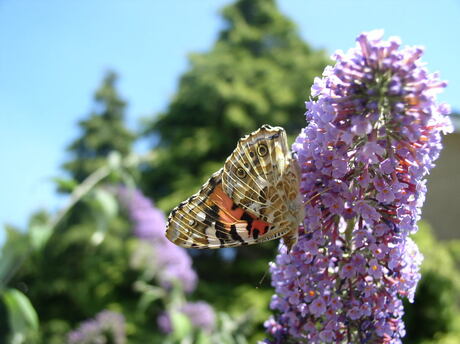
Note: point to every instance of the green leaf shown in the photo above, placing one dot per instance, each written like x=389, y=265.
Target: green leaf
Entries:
x=6, y=264
x=16, y=246
x=22, y=316
x=98, y=236
x=39, y=235
x=104, y=208
x=203, y=338
x=106, y=202
x=65, y=185
x=149, y=294
x=182, y=327
x=114, y=160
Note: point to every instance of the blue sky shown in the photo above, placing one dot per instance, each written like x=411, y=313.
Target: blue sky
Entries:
x=53, y=55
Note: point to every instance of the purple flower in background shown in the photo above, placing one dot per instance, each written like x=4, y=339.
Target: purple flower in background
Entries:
x=374, y=132
x=105, y=328
x=200, y=314
x=159, y=256
x=164, y=322
x=149, y=222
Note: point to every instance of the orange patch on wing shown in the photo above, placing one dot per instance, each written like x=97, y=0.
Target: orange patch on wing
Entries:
x=231, y=214
x=227, y=215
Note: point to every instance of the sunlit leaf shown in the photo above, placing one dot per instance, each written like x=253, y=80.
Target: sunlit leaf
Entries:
x=98, y=237
x=13, y=250
x=107, y=202
x=203, y=338
x=149, y=294
x=114, y=160
x=22, y=316
x=181, y=325
x=65, y=185
x=39, y=235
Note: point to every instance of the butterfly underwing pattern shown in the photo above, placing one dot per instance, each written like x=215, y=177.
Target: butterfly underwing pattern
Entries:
x=253, y=198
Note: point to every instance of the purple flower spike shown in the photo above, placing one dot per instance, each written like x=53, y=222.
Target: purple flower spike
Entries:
x=200, y=314
x=167, y=261
x=374, y=132
x=106, y=327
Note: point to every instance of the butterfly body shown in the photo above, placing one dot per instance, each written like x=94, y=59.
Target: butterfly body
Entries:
x=253, y=198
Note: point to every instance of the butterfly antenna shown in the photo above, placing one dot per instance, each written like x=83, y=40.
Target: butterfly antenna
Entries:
x=318, y=194
x=262, y=279
x=265, y=272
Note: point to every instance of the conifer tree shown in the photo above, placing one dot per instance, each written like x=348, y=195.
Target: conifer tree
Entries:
x=258, y=71
x=103, y=131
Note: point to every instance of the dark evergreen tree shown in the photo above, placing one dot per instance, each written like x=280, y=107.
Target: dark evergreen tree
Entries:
x=103, y=132
x=259, y=71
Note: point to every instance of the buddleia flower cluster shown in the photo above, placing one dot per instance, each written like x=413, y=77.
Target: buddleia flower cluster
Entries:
x=105, y=328
x=165, y=261
x=374, y=131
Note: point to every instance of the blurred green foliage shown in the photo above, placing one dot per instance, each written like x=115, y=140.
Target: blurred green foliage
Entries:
x=68, y=267
x=434, y=317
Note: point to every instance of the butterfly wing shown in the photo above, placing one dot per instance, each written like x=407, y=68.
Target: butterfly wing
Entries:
x=254, y=198
x=254, y=168
x=262, y=177
x=210, y=219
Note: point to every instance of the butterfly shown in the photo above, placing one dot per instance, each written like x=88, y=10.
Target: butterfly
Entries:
x=253, y=198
